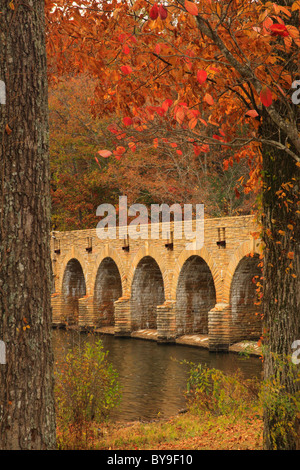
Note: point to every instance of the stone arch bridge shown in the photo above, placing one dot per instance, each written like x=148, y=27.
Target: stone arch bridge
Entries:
x=135, y=284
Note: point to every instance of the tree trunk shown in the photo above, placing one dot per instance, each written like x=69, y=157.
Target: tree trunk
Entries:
x=281, y=294
x=27, y=418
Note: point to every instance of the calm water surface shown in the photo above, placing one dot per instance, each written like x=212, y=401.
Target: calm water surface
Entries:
x=152, y=378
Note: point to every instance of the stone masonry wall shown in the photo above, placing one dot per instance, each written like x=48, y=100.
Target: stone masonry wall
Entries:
x=191, y=297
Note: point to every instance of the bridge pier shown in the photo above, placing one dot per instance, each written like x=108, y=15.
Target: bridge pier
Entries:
x=57, y=305
x=219, y=328
x=122, y=316
x=86, y=317
x=166, y=322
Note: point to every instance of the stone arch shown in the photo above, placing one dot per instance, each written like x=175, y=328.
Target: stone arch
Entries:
x=73, y=288
x=158, y=258
x=243, y=306
x=195, y=296
x=147, y=292
x=247, y=248
x=207, y=258
x=109, y=252
x=73, y=254
x=107, y=289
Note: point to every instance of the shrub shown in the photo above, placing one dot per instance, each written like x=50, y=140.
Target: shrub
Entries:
x=213, y=391
x=86, y=390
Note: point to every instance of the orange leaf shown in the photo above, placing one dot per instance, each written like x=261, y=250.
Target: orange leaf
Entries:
x=209, y=99
x=157, y=49
x=252, y=113
x=8, y=129
x=132, y=146
x=191, y=7
x=291, y=255
x=104, y=153
x=166, y=104
x=225, y=164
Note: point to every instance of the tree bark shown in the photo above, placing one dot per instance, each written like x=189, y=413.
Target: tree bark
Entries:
x=281, y=292
x=27, y=417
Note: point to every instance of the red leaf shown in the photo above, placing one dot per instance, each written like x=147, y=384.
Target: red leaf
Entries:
x=126, y=69
x=163, y=13
x=154, y=12
x=166, y=104
x=97, y=162
x=237, y=194
x=191, y=7
x=218, y=137
x=201, y=76
x=127, y=121
x=126, y=49
x=266, y=97
x=279, y=30
x=197, y=150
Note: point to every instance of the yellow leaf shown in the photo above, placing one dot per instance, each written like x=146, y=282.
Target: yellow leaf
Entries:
x=296, y=5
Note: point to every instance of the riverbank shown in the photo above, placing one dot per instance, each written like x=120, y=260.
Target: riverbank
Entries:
x=182, y=432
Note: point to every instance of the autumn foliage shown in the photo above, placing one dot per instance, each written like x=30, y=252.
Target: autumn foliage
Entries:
x=195, y=69
x=191, y=83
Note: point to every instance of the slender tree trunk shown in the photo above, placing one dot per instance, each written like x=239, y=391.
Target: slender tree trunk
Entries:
x=27, y=419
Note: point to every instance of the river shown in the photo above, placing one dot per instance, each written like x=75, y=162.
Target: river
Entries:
x=152, y=376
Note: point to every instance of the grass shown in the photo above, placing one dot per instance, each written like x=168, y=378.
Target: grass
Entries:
x=223, y=413
x=187, y=431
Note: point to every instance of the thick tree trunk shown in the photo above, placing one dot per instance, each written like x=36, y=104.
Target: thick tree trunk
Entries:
x=27, y=419
x=281, y=295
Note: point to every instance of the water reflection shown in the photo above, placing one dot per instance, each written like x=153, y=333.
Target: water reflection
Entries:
x=152, y=378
